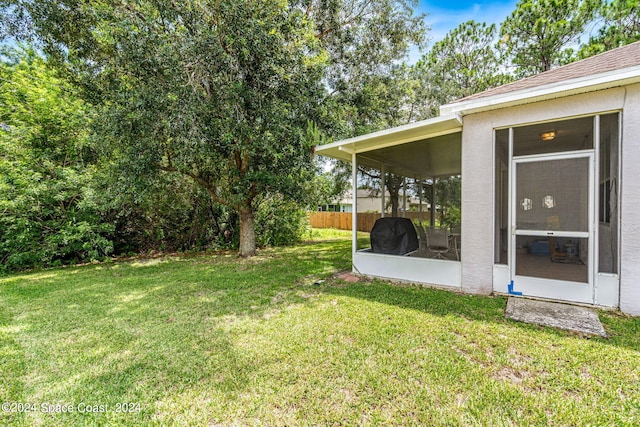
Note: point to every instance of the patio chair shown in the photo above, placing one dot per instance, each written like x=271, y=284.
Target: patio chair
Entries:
x=438, y=241
x=423, y=237
x=455, y=239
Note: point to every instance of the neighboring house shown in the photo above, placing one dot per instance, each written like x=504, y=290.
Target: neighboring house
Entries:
x=373, y=203
x=550, y=184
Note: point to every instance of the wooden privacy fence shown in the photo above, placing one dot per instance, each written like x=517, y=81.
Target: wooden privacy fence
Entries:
x=342, y=220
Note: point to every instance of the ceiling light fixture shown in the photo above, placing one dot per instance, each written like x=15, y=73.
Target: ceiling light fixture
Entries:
x=548, y=136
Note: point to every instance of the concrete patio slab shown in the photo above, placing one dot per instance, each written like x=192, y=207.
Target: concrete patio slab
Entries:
x=557, y=315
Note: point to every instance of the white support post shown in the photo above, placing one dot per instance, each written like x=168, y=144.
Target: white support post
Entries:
x=404, y=197
x=511, y=242
x=432, y=211
x=384, y=189
x=354, y=204
x=420, y=201
x=594, y=241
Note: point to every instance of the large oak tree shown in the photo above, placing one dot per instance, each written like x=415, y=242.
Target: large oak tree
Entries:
x=221, y=91
x=218, y=91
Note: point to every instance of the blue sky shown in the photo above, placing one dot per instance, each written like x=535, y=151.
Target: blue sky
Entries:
x=445, y=15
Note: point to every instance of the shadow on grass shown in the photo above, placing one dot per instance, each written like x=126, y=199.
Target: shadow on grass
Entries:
x=429, y=300
x=149, y=330
x=145, y=329
x=233, y=285
x=623, y=330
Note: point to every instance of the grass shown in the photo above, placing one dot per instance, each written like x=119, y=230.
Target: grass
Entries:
x=214, y=340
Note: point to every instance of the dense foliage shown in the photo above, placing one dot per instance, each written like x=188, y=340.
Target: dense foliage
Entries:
x=63, y=201
x=621, y=26
x=537, y=34
x=167, y=126
x=220, y=92
x=463, y=63
x=47, y=212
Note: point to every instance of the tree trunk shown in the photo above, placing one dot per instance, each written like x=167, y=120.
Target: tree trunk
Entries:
x=394, y=183
x=247, y=233
x=394, y=204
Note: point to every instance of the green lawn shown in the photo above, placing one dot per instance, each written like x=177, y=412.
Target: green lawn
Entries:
x=213, y=340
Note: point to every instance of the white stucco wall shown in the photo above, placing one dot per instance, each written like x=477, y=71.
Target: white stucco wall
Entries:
x=478, y=183
x=477, y=204
x=630, y=204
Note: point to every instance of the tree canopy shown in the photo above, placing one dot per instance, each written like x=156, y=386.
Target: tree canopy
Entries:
x=621, y=26
x=463, y=63
x=46, y=209
x=537, y=33
x=206, y=112
x=218, y=91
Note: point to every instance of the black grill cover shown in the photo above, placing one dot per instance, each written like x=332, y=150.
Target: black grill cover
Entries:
x=396, y=236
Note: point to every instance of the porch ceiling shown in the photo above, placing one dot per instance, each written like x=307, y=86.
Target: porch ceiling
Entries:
x=428, y=148
x=434, y=157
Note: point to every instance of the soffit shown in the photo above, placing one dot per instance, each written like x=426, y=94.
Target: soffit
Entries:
x=423, y=149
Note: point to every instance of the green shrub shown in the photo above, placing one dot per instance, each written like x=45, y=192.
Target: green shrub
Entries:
x=46, y=220
x=451, y=216
x=46, y=169
x=279, y=222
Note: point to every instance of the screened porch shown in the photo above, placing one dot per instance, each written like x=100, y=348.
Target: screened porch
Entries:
x=423, y=161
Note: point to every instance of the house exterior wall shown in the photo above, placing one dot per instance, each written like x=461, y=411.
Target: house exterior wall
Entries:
x=630, y=204
x=373, y=204
x=477, y=204
x=370, y=204
x=478, y=182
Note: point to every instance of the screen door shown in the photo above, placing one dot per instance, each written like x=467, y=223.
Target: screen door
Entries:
x=552, y=235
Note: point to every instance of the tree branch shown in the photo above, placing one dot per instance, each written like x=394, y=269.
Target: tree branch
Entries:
x=207, y=185
x=308, y=11
x=348, y=20
x=218, y=32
